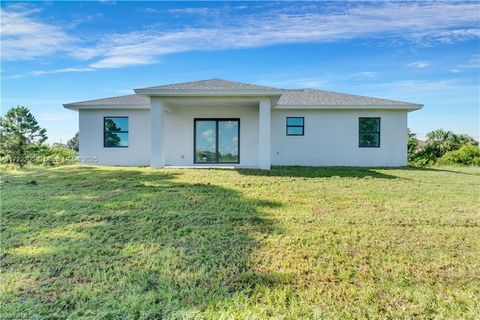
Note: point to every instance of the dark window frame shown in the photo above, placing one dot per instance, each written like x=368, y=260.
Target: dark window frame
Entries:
x=375, y=132
x=105, y=132
x=295, y=126
x=217, y=120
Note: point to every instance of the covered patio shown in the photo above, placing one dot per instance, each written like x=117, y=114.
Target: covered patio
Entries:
x=210, y=131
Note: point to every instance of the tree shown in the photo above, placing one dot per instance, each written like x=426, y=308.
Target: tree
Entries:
x=441, y=141
x=412, y=145
x=20, y=135
x=465, y=139
x=74, y=142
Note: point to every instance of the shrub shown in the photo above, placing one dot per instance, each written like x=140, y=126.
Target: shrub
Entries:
x=438, y=144
x=467, y=155
x=46, y=156
x=56, y=156
x=423, y=157
x=441, y=141
x=412, y=146
x=42, y=155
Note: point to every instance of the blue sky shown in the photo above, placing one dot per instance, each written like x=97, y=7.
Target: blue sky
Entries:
x=423, y=52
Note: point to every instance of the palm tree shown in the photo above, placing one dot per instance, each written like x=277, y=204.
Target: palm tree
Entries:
x=441, y=141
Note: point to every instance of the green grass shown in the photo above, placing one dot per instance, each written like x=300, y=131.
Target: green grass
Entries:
x=324, y=243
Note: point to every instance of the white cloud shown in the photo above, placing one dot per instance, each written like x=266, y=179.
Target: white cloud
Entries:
x=194, y=11
x=151, y=10
x=366, y=74
x=25, y=38
x=421, y=85
x=451, y=36
x=208, y=136
x=419, y=64
x=472, y=63
x=118, y=61
x=419, y=23
x=110, y=2
x=41, y=72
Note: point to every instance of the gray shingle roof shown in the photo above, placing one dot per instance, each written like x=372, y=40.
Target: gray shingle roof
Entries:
x=312, y=97
x=131, y=99
x=212, y=84
x=297, y=98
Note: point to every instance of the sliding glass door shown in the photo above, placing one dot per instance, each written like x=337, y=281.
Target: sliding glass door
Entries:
x=217, y=140
x=228, y=136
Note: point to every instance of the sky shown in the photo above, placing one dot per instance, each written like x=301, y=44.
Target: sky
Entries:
x=424, y=52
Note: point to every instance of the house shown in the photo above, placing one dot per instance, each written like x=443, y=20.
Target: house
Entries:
x=224, y=123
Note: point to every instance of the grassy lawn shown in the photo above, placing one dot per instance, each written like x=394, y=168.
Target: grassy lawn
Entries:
x=137, y=243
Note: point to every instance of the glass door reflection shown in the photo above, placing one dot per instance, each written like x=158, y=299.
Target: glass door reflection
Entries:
x=217, y=140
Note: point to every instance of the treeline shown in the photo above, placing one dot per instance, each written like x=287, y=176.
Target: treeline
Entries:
x=22, y=142
x=443, y=148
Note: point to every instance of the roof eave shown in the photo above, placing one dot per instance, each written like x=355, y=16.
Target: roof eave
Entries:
x=410, y=107
x=76, y=107
x=207, y=92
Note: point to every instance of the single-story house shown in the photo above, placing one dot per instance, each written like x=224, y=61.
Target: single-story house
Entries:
x=231, y=124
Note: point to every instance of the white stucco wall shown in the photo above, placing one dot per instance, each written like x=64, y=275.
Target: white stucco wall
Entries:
x=178, y=144
x=91, y=137
x=331, y=139
x=331, y=136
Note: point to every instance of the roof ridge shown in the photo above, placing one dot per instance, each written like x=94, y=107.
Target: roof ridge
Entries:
x=221, y=83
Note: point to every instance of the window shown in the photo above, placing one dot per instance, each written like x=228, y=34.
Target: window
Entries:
x=295, y=126
x=369, y=132
x=115, y=132
x=217, y=141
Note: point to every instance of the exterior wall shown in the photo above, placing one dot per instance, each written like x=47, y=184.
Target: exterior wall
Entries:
x=331, y=136
x=91, y=137
x=331, y=139
x=178, y=143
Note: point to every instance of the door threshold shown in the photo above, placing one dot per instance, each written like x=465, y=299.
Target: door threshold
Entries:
x=209, y=166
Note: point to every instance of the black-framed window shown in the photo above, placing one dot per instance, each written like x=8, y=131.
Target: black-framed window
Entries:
x=295, y=126
x=115, y=132
x=369, y=132
x=216, y=140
